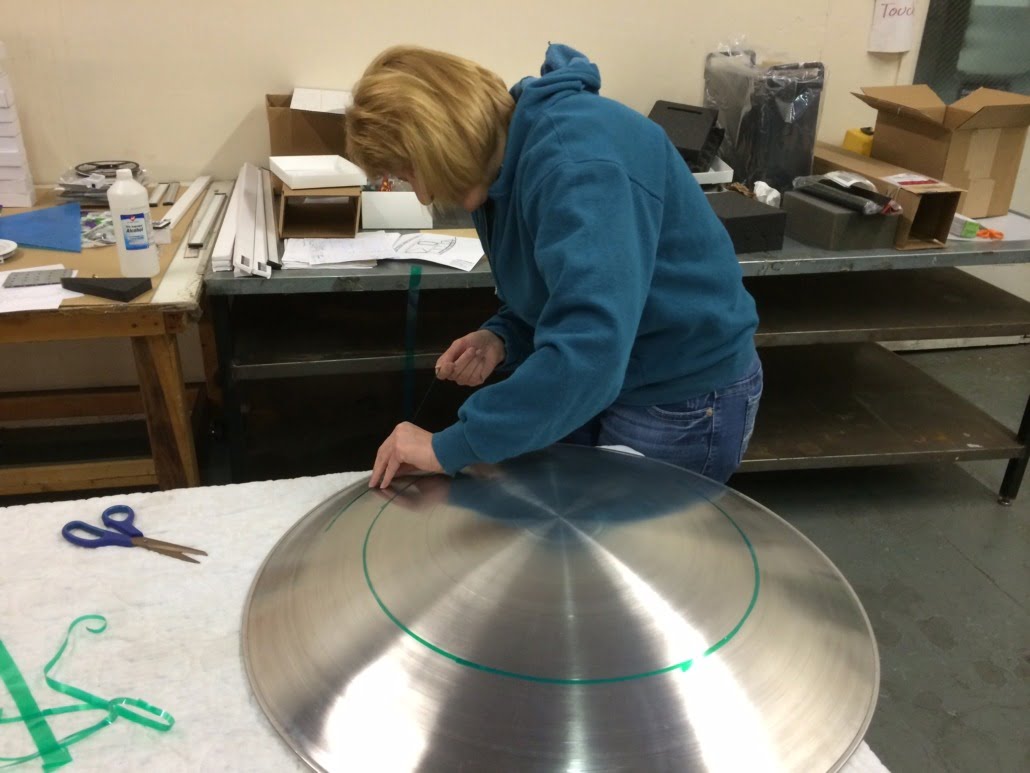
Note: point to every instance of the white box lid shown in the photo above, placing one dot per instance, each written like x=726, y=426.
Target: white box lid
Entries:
x=304, y=172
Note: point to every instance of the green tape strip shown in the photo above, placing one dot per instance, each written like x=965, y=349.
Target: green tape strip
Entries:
x=683, y=665
x=53, y=752
x=47, y=747
x=410, y=340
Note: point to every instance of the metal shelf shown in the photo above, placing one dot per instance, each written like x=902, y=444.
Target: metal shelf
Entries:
x=833, y=398
x=934, y=303
x=850, y=405
x=297, y=336
x=828, y=308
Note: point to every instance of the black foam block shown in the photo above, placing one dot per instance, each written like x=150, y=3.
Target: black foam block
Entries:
x=752, y=225
x=112, y=288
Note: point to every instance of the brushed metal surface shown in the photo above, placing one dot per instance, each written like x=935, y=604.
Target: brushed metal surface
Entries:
x=574, y=609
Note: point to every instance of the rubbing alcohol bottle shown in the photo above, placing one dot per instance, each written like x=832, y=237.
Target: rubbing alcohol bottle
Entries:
x=134, y=233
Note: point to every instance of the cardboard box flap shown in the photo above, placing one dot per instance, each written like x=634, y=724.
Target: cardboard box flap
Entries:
x=989, y=109
x=918, y=102
x=927, y=205
x=885, y=176
x=301, y=132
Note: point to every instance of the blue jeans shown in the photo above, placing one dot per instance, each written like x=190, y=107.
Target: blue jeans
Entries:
x=707, y=434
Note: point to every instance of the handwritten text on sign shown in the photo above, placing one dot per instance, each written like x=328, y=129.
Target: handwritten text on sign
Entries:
x=893, y=26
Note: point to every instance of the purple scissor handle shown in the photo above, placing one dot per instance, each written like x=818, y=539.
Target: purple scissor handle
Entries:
x=122, y=532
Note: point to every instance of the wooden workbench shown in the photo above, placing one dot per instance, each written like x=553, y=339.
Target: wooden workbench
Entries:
x=151, y=322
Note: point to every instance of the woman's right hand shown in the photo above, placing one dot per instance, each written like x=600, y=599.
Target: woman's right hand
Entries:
x=471, y=359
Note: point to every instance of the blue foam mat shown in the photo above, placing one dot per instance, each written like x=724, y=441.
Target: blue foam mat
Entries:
x=54, y=228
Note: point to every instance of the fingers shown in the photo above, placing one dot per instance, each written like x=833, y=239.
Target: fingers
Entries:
x=392, y=465
x=446, y=361
x=477, y=374
x=382, y=455
x=408, y=449
x=465, y=365
x=479, y=371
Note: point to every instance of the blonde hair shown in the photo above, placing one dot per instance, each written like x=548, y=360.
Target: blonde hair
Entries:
x=438, y=115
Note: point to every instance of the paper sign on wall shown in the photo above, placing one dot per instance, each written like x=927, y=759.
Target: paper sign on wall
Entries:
x=894, y=24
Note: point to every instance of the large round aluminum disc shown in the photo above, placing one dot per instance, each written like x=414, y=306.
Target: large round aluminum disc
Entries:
x=571, y=610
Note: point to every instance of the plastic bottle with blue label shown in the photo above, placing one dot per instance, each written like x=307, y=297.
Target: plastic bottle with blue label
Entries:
x=133, y=230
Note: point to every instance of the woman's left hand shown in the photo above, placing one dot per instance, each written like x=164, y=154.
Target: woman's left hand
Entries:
x=408, y=449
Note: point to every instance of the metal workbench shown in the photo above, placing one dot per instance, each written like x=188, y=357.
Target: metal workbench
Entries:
x=833, y=396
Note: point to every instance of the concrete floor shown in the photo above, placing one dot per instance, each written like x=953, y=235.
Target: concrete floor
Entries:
x=944, y=574
x=942, y=570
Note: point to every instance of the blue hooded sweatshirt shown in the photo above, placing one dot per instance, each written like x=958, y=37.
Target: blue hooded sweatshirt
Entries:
x=617, y=281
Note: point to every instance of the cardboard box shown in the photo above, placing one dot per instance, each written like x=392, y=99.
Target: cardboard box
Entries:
x=303, y=132
x=319, y=213
x=975, y=143
x=752, y=225
x=811, y=220
x=928, y=205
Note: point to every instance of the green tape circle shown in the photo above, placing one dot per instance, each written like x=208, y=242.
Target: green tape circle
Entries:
x=683, y=665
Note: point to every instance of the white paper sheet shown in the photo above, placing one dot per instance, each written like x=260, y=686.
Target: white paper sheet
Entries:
x=461, y=252
x=33, y=298
x=321, y=100
x=893, y=27
x=365, y=247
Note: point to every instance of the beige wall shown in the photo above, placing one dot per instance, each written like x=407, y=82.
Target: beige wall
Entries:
x=180, y=85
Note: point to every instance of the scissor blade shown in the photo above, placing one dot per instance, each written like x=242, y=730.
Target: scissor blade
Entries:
x=147, y=541
x=170, y=553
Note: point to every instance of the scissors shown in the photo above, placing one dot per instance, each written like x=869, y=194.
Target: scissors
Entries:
x=122, y=532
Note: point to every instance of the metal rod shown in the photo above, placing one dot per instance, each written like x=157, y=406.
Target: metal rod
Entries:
x=182, y=206
x=171, y=193
x=159, y=193
x=206, y=220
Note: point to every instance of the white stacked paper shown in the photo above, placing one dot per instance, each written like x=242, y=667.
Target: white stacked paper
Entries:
x=462, y=253
x=363, y=251
x=16, y=186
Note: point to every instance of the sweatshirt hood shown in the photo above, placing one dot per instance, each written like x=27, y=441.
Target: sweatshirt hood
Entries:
x=565, y=72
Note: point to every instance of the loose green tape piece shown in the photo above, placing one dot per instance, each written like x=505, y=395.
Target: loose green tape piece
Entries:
x=53, y=752
x=410, y=340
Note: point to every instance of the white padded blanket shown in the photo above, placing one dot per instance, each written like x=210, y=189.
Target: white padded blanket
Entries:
x=173, y=636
